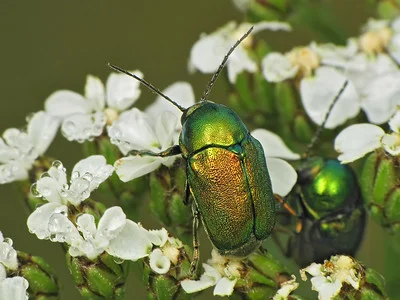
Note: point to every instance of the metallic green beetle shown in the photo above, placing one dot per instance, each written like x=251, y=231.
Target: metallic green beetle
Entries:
x=327, y=203
x=227, y=174
x=332, y=215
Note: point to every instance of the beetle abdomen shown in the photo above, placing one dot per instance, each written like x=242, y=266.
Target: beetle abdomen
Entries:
x=232, y=191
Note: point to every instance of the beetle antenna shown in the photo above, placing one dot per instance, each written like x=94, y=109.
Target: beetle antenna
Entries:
x=328, y=113
x=222, y=65
x=148, y=85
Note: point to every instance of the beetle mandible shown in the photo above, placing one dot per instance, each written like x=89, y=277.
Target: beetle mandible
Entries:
x=227, y=173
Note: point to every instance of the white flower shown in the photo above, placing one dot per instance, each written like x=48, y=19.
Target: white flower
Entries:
x=14, y=288
x=357, y=140
x=19, y=149
x=328, y=279
x=52, y=186
x=219, y=271
x=135, y=130
x=8, y=256
x=286, y=288
x=319, y=84
x=84, y=117
x=207, y=53
x=283, y=175
x=86, y=176
x=118, y=236
x=159, y=263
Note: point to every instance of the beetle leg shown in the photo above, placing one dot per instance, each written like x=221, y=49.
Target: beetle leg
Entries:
x=286, y=205
x=171, y=151
x=196, y=252
x=187, y=193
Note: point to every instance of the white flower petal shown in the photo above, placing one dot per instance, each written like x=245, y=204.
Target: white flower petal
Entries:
x=193, y=286
x=8, y=256
x=357, y=140
x=318, y=92
x=391, y=143
x=122, y=90
x=82, y=127
x=13, y=171
x=94, y=92
x=14, y=288
x=273, y=145
x=50, y=189
x=283, y=176
x=238, y=62
x=159, y=263
x=224, y=287
x=65, y=103
x=181, y=92
x=277, y=67
x=207, y=53
x=326, y=290
x=286, y=288
x=271, y=25
x=112, y=222
x=165, y=129
x=131, y=243
x=94, y=168
x=38, y=220
x=131, y=167
x=381, y=97
x=158, y=237
x=86, y=225
x=394, y=122
x=132, y=131
x=61, y=229
x=3, y=272
x=42, y=129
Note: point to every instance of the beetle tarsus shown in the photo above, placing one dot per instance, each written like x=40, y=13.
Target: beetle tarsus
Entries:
x=196, y=252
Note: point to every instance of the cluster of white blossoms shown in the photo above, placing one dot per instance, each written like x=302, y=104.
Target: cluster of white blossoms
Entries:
x=223, y=273
x=219, y=271
x=329, y=277
x=369, y=64
x=114, y=233
x=10, y=287
x=357, y=140
x=20, y=148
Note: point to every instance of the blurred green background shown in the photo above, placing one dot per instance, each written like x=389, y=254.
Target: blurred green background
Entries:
x=51, y=45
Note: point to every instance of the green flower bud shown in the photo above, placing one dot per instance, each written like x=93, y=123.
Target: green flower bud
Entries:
x=167, y=194
x=379, y=185
x=42, y=282
x=165, y=268
x=98, y=279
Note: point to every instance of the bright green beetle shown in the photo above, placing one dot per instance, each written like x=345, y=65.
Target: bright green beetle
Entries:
x=227, y=174
x=332, y=216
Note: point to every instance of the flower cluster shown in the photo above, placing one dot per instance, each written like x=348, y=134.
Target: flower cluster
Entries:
x=10, y=287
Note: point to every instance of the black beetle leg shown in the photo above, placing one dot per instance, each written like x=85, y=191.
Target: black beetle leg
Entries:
x=187, y=193
x=174, y=150
x=196, y=252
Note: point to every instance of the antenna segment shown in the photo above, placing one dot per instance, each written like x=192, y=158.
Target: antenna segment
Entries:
x=328, y=113
x=221, y=66
x=148, y=85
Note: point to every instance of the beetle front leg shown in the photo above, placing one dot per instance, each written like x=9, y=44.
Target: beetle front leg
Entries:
x=196, y=252
x=174, y=150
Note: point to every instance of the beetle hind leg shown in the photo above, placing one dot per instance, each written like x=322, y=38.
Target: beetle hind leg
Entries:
x=196, y=252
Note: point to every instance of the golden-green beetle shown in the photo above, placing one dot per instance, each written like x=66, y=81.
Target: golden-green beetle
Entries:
x=227, y=174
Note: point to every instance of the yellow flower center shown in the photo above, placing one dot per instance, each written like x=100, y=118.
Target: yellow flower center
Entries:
x=306, y=59
x=373, y=42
